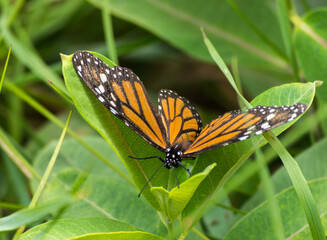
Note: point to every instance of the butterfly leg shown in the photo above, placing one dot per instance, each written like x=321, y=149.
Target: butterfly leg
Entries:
x=150, y=179
x=147, y=158
x=176, y=177
x=187, y=170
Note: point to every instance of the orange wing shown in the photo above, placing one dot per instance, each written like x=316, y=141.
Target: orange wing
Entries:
x=181, y=121
x=237, y=126
x=122, y=92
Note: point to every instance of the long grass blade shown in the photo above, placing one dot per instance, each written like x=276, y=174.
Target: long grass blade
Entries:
x=5, y=68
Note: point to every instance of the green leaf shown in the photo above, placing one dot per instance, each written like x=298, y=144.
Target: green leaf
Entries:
x=74, y=156
x=311, y=47
x=168, y=19
x=69, y=228
x=231, y=157
x=314, y=155
x=122, y=139
x=103, y=193
x=294, y=221
x=29, y=216
x=173, y=203
x=120, y=236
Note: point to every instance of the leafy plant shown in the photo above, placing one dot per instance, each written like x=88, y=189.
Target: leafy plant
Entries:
x=86, y=186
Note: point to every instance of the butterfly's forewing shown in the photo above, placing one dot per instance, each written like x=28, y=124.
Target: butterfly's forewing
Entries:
x=237, y=126
x=121, y=91
x=181, y=121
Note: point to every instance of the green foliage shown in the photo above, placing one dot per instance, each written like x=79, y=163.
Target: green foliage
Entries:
x=85, y=186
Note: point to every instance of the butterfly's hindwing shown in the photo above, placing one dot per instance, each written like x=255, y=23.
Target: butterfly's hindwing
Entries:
x=181, y=121
x=238, y=126
x=121, y=91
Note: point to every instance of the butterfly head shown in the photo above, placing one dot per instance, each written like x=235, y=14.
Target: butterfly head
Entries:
x=173, y=156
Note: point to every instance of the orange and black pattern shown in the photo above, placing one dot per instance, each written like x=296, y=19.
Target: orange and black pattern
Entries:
x=175, y=128
x=238, y=126
x=181, y=121
x=122, y=92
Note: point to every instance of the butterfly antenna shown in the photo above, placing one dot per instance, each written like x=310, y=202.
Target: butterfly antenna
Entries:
x=150, y=179
x=187, y=170
x=176, y=177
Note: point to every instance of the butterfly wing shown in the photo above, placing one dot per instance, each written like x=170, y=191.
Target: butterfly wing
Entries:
x=237, y=126
x=181, y=121
x=122, y=92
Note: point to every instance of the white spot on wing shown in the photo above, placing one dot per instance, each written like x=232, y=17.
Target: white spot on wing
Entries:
x=101, y=88
x=113, y=111
x=270, y=116
x=103, y=77
x=113, y=103
x=113, y=96
x=101, y=99
x=243, y=138
x=265, y=125
x=258, y=132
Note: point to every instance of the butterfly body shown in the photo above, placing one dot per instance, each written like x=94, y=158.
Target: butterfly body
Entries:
x=175, y=128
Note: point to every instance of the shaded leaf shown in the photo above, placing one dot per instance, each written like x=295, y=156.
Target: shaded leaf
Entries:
x=256, y=224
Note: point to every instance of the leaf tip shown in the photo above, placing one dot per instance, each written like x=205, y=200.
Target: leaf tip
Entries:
x=318, y=83
x=203, y=33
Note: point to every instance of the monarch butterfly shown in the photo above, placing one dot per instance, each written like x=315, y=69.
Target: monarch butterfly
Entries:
x=175, y=128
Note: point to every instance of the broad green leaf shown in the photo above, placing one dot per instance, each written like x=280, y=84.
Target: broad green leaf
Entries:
x=73, y=155
x=179, y=197
x=103, y=196
x=172, y=203
x=162, y=197
x=120, y=236
x=29, y=216
x=179, y=24
x=256, y=224
x=231, y=157
x=313, y=164
x=121, y=138
x=69, y=228
x=311, y=47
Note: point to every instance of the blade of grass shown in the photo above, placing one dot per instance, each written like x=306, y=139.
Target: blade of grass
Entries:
x=269, y=193
x=61, y=93
x=14, y=11
x=11, y=206
x=51, y=117
x=32, y=60
x=108, y=31
x=5, y=68
x=17, y=157
x=264, y=174
x=29, y=216
x=221, y=64
x=300, y=185
x=15, y=120
x=46, y=174
x=285, y=28
x=237, y=78
x=50, y=165
x=18, y=184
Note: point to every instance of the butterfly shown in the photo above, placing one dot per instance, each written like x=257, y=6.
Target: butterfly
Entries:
x=175, y=128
